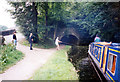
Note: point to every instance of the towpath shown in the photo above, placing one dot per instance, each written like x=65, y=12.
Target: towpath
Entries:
x=25, y=68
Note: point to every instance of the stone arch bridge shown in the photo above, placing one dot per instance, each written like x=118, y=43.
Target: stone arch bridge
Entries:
x=69, y=35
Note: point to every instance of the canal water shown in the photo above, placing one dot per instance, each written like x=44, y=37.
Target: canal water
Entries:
x=79, y=58
x=86, y=71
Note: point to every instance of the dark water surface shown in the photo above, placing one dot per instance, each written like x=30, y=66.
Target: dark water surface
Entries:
x=78, y=56
x=86, y=71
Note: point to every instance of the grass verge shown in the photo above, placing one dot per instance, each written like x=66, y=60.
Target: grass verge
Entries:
x=57, y=68
x=44, y=45
x=9, y=56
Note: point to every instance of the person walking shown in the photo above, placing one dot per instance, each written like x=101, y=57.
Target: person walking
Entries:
x=14, y=39
x=57, y=41
x=3, y=40
x=31, y=40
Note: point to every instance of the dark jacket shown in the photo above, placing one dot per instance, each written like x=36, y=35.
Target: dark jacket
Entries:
x=30, y=39
x=14, y=37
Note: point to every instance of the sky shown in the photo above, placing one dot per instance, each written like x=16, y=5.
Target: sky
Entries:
x=5, y=17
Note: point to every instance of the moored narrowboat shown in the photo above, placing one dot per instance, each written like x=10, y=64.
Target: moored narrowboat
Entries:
x=106, y=57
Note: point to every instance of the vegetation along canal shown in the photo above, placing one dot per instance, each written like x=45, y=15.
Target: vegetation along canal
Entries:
x=79, y=58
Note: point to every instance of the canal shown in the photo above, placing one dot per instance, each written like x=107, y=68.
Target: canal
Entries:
x=79, y=58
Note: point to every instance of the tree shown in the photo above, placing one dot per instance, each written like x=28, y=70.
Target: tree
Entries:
x=50, y=16
x=46, y=19
x=96, y=18
x=26, y=18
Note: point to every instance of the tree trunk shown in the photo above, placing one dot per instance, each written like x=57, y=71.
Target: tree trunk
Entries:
x=46, y=19
x=35, y=26
x=55, y=32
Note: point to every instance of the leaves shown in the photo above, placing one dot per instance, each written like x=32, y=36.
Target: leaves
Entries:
x=8, y=56
x=44, y=19
x=96, y=18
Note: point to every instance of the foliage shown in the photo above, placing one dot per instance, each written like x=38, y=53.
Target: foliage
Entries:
x=43, y=45
x=96, y=18
x=26, y=18
x=46, y=19
x=39, y=17
x=8, y=56
x=57, y=68
x=50, y=15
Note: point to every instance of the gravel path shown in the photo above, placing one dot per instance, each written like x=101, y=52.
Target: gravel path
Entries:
x=33, y=59
x=25, y=68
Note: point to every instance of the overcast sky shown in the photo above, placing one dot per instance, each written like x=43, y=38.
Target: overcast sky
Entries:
x=5, y=17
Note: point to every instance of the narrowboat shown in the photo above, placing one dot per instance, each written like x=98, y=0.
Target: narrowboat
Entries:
x=7, y=32
x=106, y=57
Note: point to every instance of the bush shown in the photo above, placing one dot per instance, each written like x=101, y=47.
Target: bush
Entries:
x=8, y=56
x=45, y=45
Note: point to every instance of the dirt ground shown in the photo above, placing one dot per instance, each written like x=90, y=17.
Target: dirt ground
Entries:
x=25, y=68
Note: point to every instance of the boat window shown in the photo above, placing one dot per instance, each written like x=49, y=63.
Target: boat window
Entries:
x=112, y=63
x=98, y=53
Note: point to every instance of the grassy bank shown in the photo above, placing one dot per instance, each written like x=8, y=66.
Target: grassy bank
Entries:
x=9, y=56
x=44, y=45
x=57, y=68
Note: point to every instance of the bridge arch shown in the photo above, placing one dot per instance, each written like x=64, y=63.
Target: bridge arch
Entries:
x=69, y=35
x=69, y=39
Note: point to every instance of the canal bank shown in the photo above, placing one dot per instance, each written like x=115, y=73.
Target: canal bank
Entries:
x=78, y=56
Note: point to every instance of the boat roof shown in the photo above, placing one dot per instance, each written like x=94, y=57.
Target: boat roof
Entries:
x=117, y=45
